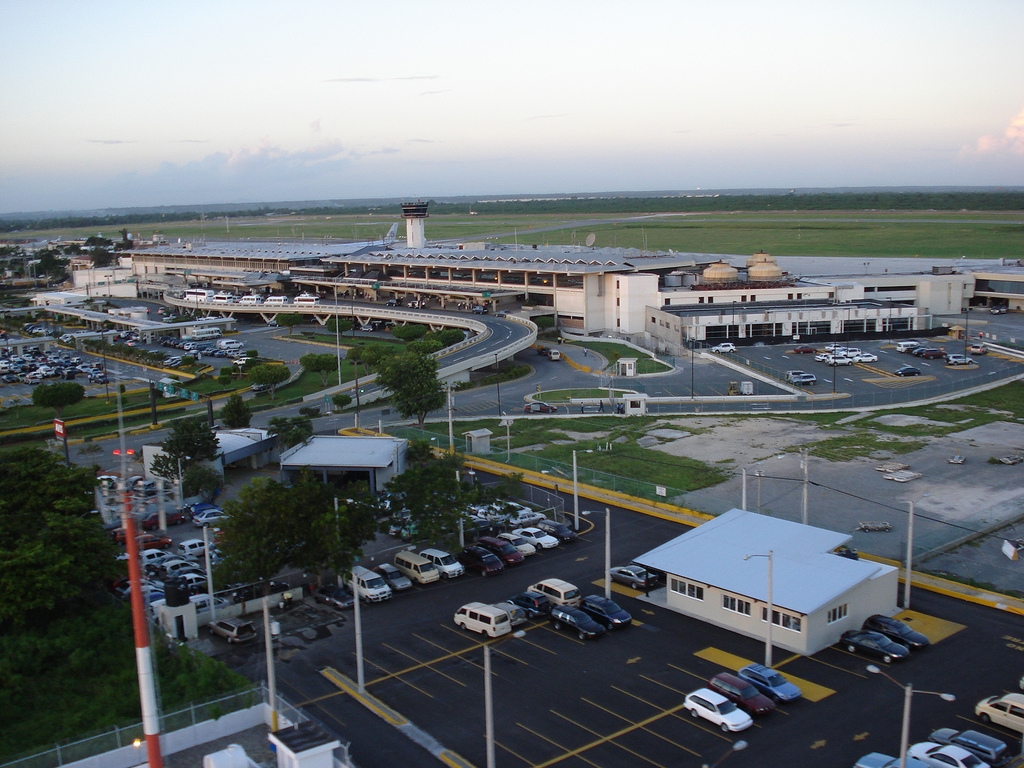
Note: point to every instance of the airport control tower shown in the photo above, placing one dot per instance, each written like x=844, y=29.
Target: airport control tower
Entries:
x=414, y=214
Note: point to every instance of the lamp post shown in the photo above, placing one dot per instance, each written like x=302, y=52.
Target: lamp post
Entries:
x=908, y=692
x=507, y=424
x=489, y=701
x=736, y=747
x=771, y=607
x=497, y=381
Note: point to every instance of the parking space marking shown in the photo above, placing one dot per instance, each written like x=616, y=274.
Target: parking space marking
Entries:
x=389, y=675
x=663, y=685
x=428, y=664
x=609, y=739
x=649, y=704
x=811, y=691
x=592, y=732
x=935, y=629
x=555, y=744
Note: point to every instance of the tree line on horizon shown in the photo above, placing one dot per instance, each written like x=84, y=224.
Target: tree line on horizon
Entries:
x=583, y=204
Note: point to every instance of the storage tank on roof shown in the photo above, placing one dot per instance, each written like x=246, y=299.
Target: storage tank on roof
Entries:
x=764, y=272
x=760, y=258
x=720, y=272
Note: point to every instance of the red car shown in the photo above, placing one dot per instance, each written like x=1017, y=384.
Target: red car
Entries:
x=152, y=541
x=504, y=550
x=539, y=408
x=152, y=521
x=805, y=350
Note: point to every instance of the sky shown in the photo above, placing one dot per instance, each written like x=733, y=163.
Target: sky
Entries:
x=115, y=104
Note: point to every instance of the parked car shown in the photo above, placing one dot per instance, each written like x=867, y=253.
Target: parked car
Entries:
x=1006, y=710
x=233, y=630
x=717, y=709
x=873, y=644
x=987, y=748
x=741, y=692
x=560, y=531
x=896, y=630
x=606, y=612
x=520, y=516
x=932, y=353
x=770, y=683
x=954, y=359
x=152, y=521
x=479, y=559
x=335, y=595
x=944, y=755
x=446, y=564
x=502, y=549
x=576, y=620
x=394, y=577
x=878, y=760
x=635, y=576
x=724, y=347
x=516, y=614
x=208, y=517
x=998, y=310
x=535, y=604
x=865, y=357
x=485, y=619
x=537, y=537
x=804, y=350
x=521, y=544
x=907, y=370
x=153, y=541
x=539, y=408
x=977, y=349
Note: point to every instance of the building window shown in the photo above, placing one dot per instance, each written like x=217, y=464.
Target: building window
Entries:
x=736, y=605
x=616, y=285
x=837, y=613
x=680, y=587
x=617, y=302
x=711, y=299
x=784, y=620
x=700, y=299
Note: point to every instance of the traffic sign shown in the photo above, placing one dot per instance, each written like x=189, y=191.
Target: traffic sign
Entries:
x=58, y=428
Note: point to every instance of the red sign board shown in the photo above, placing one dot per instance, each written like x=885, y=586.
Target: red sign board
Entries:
x=58, y=427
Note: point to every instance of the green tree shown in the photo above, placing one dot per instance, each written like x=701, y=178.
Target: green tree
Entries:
x=409, y=332
x=343, y=325
x=428, y=489
x=191, y=442
x=58, y=396
x=372, y=355
x=290, y=430
x=341, y=400
x=288, y=320
x=51, y=545
x=201, y=480
x=236, y=413
x=268, y=374
x=412, y=380
x=270, y=526
x=321, y=364
x=52, y=265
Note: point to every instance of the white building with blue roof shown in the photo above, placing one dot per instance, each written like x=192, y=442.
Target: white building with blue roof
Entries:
x=816, y=594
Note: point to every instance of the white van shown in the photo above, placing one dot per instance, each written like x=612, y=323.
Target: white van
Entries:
x=251, y=300
x=446, y=563
x=275, y=301
x=558, y=592
x=229, y=344
x=369, y=585
x=417, y=568
x=906, y=346
x=485, y=619
x=192, y=548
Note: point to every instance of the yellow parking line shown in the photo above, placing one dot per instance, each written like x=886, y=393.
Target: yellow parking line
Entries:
x=609, y=739
x=542, y=737
x=811, y=691
x=935, y=629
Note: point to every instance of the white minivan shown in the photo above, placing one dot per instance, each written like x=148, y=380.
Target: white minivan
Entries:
x=446, y=564
x=486, y=619
x=229, y=344
x=370, y=587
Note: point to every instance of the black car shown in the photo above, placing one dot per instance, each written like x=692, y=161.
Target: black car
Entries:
x=560, y=531
x=479, y=559
x=575, y=620
x=873, y=644
x=337, y=596
x=896, y=630
x=907, y=370
x=534, y=603
x=606, y=612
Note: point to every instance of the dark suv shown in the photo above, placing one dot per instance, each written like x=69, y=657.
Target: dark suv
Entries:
x=575, y=620
x=534, y=603
x=742, y=693
x=479, y=559
x=606, y=612
x=560, y=531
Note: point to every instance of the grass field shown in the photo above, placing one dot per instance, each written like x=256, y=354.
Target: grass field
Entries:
x=874, y=234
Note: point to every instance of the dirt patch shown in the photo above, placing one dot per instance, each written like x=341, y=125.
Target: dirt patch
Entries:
x=999, y=433
x=742, y=441
x=902, y=420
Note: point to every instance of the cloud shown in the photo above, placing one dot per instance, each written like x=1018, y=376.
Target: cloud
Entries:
x=315, y=126
x=843, y=125
x=1011, y=141
x=421, y=141
x=193, y=141
x=379, y=79
x=434, y=93
x=547, y=117
x=108, y=141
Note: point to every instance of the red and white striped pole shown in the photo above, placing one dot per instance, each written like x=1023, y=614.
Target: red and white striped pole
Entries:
x=143, y=656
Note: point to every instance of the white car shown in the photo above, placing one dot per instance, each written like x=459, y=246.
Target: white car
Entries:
x=521, y=544
x=537, y=537
x=822, y=357
x=945, y=756
x=727, y=346
x=717, y=709
x=839, y=360
x=865, y=357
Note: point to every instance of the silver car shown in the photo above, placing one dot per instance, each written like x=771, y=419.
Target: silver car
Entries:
x=394, y=577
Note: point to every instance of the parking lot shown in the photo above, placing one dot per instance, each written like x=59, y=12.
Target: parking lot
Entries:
x=618, y=700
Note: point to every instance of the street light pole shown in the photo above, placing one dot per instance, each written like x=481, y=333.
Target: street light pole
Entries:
x=771, y=607
x=497, y=381
x=910, y=555
x=908, y=693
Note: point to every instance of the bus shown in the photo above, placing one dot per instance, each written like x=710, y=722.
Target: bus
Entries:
x=224, y=298
x=202, y=334
x=307, y=300
x=199, y=294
